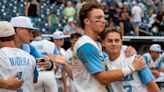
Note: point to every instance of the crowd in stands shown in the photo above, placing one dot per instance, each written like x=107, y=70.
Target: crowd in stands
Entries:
x=130, y=16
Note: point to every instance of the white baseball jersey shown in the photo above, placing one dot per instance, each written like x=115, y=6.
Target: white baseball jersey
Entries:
x=14, y=60
x=46, y=80
x=45, y=46
x=132, y=82
x=68, y=56
x=87, y=60
x=157, y=64
x=153, y=64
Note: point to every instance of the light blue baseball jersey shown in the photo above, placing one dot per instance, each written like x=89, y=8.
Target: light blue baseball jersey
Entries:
x=134, y=82
x=14, y=60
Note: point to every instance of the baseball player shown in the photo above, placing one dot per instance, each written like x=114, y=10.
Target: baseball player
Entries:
x=46, y=80
x=61, y=78
x=154, y=61
x=88, y=69
x=135, y=82
x=73, y=38
x=23, y=27
x=13, y=59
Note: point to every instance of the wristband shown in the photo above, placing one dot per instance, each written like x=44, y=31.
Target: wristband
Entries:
x=132, y=68
x=52, y=66
x=126, y=71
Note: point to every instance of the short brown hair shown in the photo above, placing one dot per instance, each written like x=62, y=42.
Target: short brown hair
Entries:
x=75, y=35
x=85, y=10
x=109, y=30
x=36, y=33
x=4, y=39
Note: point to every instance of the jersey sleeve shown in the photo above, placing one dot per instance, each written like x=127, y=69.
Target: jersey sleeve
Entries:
x=34, y=52
x=146, y=59
x=90, y=57
x=105, y=54
x=160, y=64
x=145, y=75
x=56, y=52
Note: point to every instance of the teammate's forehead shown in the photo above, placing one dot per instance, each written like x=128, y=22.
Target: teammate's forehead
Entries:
x=113, y=35
x=97, y=12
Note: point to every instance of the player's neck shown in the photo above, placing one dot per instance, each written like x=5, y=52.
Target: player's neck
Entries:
x=8, y=44
x=58, y=47
x=91, y=34
x=18, y=42
x=113, y=56
x=154, y=59
x=38, y=38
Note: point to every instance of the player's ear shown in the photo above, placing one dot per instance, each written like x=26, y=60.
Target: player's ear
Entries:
x=17, y=30
x=103, y=43
x=86, y=21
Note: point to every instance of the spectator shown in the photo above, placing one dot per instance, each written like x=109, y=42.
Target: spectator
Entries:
x=161, y=26
x=32, y=10
x=53, y=21
x=136, y=17
x=111, y=7
x=69, y=11
x=125, y=16
x=78, y=6
x=159, y=23
x=70, y=27
x=161, y=6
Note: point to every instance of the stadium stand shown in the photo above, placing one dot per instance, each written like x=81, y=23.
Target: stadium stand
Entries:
x=12, y=8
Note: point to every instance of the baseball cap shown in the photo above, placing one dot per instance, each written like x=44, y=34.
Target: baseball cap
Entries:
x=6, y=29
x=155, y=48
x=60, y=35
x=22, y=21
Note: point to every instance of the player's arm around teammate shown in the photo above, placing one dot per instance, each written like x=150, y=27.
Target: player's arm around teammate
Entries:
x=112, y=42
x=11, y=83
x=106, y=77
x=152, y=87
x=60, y=59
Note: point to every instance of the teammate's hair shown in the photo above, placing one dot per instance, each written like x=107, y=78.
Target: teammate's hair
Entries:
x=109, y=30
x=86, y=9
x=36, y=33
x=5, y=39
x=75, y=35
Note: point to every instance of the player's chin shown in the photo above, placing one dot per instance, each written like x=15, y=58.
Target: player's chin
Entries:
x=114, y=51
